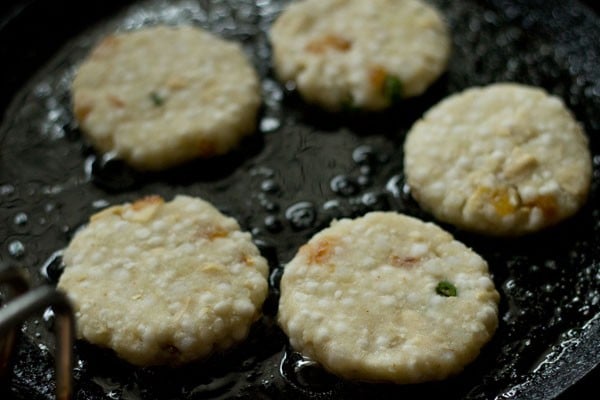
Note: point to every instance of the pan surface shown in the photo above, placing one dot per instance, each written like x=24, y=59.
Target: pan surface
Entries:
x=303, y=169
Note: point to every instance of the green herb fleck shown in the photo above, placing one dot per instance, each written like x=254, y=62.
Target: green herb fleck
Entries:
x=392, y=89
x=446, y=289
x=157, y=99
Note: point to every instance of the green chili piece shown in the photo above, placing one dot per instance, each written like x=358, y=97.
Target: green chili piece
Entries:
x=157, y=99
x=392, y=88
x=446, y=289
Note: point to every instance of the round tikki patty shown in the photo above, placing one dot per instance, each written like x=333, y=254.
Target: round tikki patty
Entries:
x=360, y=54
x=387, y=297
x=504, y=159
x=161, y=96
x=164, y=282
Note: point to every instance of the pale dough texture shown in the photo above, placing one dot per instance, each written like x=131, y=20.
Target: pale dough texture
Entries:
x=363, y=298
x=160, y=96
x=505, y=159
x=360, y=54
x=164, y=282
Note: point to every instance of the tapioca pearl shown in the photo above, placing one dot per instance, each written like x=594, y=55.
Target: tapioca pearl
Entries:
x=418, y=250
x=340, y=326
x=550, y=187
x=142, y=233
x=388, y=301
x=385, y=287
x=536, y=217
x=294, y=326
x=382, y=342
x=348, y=302
x=244, y=308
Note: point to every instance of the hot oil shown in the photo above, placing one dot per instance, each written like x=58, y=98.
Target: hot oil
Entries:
x=302, y=170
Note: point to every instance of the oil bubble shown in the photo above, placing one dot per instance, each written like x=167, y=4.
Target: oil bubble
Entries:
x=301, y=215
x=16, y=249
x=20, y=219
x=343, y=185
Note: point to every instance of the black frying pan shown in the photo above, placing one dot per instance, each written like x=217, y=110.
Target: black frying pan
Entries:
x=302, y=169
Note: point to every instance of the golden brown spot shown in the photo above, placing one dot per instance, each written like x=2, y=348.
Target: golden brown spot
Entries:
x=328, y=42
x=403, y=262
x=212, y=232
x=83, y=110
x=520, y=163
x=212, y=268
x=176, y=82
x=248, y=260
x=499, y=198
x=142, y=210
x=377, y=76
x=319, y=252
x=147, y=201
x=206, y=148
x=114, y=210
x=218, y=232
x=547, y=204
x=106, y=47
x=116, y=101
